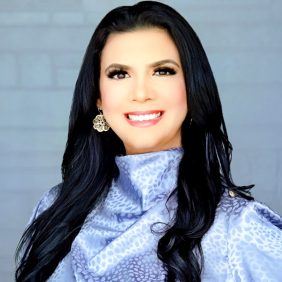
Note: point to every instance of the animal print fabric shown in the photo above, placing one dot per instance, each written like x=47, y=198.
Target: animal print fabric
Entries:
x=119, y=239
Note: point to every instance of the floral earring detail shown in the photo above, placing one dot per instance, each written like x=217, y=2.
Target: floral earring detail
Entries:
x=99, y=122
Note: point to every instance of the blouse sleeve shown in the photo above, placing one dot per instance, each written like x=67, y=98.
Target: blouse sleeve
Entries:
x=45, y=202
x=255, y=244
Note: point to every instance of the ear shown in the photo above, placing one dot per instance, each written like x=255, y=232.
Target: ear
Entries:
x=99, y=103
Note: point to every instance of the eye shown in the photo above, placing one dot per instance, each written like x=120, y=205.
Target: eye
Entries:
x=117, y=74
x=164, y=71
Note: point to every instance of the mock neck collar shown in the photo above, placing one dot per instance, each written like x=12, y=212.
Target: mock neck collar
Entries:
x=148, y=178
x=117, y=239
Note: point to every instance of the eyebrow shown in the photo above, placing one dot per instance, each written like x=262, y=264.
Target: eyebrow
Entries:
x=116, y=66
x=155, y=64
x=163, y=62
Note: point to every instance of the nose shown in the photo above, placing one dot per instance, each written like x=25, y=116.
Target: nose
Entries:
x=142, y=91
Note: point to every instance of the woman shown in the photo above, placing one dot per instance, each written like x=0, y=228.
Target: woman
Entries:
x=147, y=193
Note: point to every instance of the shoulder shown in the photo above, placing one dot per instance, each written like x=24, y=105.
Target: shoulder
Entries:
x=254, y=239
x=251, y=223
x=241, y=213
x=46, y=201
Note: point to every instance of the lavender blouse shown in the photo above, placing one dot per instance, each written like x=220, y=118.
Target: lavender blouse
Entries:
x=118, y=240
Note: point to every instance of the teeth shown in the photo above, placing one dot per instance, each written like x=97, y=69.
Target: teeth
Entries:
x=144, y=117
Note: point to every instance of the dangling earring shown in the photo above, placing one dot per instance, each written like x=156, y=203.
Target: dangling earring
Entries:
x=99, y=122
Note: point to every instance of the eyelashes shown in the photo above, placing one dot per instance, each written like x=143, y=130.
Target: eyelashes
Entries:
x=121, y=73
x=117, y=74
x=163, y=71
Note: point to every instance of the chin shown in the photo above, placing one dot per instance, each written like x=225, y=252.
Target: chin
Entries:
x=131, y=150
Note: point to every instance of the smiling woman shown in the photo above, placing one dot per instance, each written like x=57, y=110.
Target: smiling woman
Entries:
x=142, y=88
x=147, y=193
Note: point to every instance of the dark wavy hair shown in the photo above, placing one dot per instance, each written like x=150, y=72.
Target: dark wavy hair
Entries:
x=88, y=166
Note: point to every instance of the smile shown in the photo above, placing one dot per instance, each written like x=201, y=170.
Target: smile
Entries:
x=143, y=117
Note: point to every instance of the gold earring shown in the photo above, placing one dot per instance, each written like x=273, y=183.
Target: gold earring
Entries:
x=99, y=122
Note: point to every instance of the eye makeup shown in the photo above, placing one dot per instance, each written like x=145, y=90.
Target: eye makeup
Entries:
x=117, y=74
x=164, y=71
x=120, y=71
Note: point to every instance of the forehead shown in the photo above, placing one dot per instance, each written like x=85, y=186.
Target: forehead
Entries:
x=141, y=45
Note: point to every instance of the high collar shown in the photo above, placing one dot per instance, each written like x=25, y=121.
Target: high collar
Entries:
x=148, y=178
x=116, y=238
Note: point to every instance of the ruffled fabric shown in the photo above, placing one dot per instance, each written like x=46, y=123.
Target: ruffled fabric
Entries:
x=244, y=243
x=118, y=241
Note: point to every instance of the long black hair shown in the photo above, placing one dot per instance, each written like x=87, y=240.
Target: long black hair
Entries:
x=88, y=166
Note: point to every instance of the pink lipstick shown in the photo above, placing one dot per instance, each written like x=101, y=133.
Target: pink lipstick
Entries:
x=144, y=118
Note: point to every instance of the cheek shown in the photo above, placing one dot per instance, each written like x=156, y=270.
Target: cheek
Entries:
x=110, y=99
x=181, y=95
x=178, y=96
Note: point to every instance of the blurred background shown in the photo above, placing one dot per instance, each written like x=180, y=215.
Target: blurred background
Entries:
x=41, y=48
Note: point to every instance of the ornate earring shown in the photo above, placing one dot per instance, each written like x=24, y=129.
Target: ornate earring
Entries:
x=99, y=122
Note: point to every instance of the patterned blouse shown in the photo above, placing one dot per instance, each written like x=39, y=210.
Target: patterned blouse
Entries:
x=118, y=240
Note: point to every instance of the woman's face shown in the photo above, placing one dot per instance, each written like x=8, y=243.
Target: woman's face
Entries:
x=142, y=88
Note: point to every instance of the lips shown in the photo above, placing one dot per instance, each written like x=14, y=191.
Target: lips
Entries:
x=144, y=118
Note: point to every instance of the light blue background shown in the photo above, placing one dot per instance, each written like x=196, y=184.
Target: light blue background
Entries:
x=41, y=48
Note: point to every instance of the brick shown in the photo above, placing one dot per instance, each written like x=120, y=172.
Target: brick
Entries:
x=13, y=5
x=57, y=5
x=255, y=136
x=7, y=275
x=43, y=38
x=40, y=6
x=218, y=37
x=279, y=181
x=26, y=139
x=259, y=167
x=68, y=18
x=7, y=268
x=66, y=77
x=93, y=18
x=17, y=160
x=252, y=104
x=35, y=70
x=35, y=109
x=264, y=165
x=12, y=238
x=244, y=67
x=28, y=182
x=69, y=60
x=276, y=7
x=215, y=4
x=280, y=173
x=225, y=15
x=197, y=11
x=8, y=70
x=248, y=88
x=241, y=167
x=15, y=209
x=27, y=18
x=103, y=8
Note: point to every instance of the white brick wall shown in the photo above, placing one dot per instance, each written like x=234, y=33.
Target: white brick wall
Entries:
x=41, y=48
